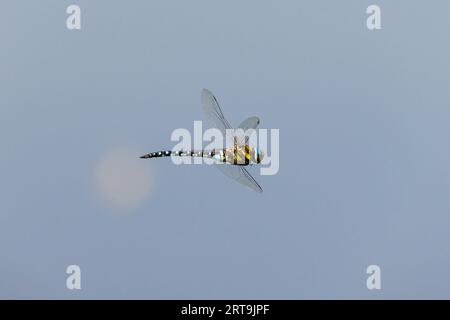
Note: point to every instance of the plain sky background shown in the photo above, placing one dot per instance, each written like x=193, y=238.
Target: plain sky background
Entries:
x=364, y=119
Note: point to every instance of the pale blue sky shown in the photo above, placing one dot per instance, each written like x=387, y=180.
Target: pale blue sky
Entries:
x=364, y=135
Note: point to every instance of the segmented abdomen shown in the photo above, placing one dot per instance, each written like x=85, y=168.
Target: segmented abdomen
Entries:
x=192, y=153
x=232, y=156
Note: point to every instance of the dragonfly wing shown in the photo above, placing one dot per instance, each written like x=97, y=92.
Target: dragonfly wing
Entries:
x=248, y=124
x=214, y=115
x=213, y=112
x=241, y=175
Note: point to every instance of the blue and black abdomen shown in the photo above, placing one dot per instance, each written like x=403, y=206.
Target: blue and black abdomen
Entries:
x=192, y=153
x=157, y=154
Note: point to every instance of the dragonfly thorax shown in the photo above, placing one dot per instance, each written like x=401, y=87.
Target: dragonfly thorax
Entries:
x=238, y=155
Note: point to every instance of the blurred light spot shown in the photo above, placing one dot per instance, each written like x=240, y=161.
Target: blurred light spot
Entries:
x=123, y=180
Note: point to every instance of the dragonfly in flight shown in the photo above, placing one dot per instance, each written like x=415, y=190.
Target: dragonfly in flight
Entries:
x=232, y=159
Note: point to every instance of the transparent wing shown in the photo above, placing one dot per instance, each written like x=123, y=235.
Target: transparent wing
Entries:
x=241, y=175
x=248, y=124
x=216, y=119
x=214, y=115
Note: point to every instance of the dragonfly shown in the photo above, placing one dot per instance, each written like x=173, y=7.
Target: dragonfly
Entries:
x=236, y=156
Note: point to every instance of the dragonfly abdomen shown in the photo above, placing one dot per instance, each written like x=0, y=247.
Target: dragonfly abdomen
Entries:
x=181, y=153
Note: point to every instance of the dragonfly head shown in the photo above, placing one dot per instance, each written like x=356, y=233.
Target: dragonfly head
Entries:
x=257, y=155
